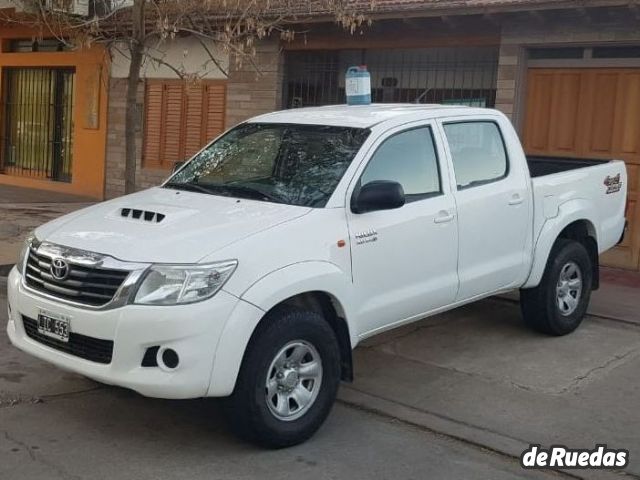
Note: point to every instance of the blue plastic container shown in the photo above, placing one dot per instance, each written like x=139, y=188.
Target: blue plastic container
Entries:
x=358, y=86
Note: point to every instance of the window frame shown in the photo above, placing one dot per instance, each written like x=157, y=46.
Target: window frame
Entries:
x=481, y=183
x=409, y=198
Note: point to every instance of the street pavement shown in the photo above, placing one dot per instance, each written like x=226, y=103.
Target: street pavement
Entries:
x=57, y=425
x=458, y=395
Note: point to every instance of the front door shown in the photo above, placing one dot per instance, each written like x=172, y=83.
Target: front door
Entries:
x=38, y=127
x=590, y=113
x=494, y=208
x=405, y=260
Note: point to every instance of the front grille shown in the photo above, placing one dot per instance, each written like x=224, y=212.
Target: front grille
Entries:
x=88, y=348
x=87, y=285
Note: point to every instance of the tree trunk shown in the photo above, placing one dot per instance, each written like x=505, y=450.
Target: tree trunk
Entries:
x=132, y=119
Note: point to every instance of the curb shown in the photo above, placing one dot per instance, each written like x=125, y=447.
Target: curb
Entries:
x=5, y=269
x=39, y=205
x=471, y=435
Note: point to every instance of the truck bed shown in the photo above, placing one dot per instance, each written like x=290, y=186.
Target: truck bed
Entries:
x=541, y=166
x=597, y=186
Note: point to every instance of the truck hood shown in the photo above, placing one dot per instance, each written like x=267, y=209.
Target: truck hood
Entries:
x=165, y=226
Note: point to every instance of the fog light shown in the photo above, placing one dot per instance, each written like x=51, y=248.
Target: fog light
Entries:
x=168, y=358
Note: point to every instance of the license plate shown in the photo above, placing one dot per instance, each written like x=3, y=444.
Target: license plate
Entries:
x=54, y=326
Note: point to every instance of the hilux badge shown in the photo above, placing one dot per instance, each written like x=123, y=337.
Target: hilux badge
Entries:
x=369, y=236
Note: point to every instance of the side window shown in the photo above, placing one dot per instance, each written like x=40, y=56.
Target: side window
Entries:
x=410, y=159
x=477, y=151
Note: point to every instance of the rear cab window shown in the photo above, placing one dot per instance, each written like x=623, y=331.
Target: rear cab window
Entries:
x=478, y=152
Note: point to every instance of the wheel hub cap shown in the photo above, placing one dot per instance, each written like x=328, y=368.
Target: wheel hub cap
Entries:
x=569, y=289
x=290, y=379
x=293, y=380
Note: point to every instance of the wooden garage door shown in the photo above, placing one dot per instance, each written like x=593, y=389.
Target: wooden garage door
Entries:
x=590, y=113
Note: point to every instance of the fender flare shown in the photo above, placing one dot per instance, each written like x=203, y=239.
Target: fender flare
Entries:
x=568, y=213
x=262, y=296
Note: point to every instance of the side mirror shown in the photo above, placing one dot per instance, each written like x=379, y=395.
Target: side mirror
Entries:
x=378, y=195
x=177, y=166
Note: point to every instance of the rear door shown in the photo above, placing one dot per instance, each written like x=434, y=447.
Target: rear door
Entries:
x=493, y=200
x=405, y=260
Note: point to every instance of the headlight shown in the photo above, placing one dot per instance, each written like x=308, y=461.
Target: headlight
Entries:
x=24, y=252
x=177, y=284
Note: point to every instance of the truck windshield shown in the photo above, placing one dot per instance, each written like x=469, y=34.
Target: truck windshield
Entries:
x=283, y=163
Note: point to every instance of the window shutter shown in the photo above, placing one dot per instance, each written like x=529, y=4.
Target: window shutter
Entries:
x=153, y=125
x=193, y=120
x=173, y=116
x=180, y=119
x=216, y=94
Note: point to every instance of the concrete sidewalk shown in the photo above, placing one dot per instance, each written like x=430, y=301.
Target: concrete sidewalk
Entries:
x=21, y=195
x=618, y=298
x=23, y=209
x=478, y=374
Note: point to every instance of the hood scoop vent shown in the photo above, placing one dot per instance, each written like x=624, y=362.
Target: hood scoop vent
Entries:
x=142, y=215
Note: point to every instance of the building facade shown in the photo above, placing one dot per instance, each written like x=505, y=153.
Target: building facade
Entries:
x=566, y=72
x=53, y=114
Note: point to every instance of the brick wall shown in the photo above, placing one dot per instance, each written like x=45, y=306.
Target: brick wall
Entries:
x=518, y=35
x=145, y=178
x=255, y=87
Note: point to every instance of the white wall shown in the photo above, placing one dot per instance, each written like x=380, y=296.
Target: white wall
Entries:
x=185, y=54
x=17, y=4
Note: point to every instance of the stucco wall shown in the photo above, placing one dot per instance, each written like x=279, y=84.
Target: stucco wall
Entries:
x=185, y=54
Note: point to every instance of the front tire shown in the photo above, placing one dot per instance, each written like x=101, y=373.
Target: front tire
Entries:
x=558, y=305
x=288, y=380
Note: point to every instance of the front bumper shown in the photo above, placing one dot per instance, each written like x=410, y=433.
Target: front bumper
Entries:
x=193, y=331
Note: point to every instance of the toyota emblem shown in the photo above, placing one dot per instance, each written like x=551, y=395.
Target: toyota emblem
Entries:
x=59, y=269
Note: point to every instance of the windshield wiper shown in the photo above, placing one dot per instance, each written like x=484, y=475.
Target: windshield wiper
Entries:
x=190, y=187
x=252, y=192
x=226, y=190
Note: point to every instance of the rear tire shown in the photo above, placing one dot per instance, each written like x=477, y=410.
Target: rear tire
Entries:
x=558, y=305
x=288, y=380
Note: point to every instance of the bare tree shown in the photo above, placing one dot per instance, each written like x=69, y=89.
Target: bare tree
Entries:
x=139, y=28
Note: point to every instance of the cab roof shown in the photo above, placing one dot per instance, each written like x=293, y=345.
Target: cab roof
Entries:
x=363, y=116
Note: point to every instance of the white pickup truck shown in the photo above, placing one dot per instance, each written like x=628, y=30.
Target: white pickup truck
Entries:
x=261, y=263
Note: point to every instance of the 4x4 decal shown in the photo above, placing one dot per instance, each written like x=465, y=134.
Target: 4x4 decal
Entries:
x=613, y=184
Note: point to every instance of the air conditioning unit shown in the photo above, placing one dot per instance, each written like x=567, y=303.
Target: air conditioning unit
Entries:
x=71, y=7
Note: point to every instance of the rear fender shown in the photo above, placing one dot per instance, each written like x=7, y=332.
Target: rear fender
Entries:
x=568, y=213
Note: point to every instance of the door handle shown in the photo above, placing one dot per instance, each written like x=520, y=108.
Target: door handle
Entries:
x=444, y=217
x=516, y=199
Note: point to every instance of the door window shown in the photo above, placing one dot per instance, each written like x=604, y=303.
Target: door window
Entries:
x=477, y=151
x=409, y=158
